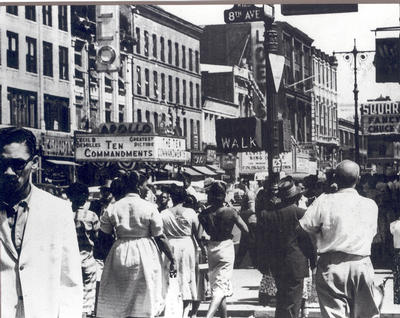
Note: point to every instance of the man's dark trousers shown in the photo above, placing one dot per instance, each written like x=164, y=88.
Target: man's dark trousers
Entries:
x=288, y=296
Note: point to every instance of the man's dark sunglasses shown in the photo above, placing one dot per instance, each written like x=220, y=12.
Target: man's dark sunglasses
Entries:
x=15, y=164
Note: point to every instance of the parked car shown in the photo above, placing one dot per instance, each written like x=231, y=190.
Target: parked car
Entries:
x=198, y=186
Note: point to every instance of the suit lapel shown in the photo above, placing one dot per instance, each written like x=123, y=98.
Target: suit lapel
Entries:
x=5, y=234
x=32, y=222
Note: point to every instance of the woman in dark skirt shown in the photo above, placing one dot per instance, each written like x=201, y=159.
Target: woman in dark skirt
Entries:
x=218, y=221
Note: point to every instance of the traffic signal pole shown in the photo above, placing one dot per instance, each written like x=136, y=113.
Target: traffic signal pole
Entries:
x=270, y=44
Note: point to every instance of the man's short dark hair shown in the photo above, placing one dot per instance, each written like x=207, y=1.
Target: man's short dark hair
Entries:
x=10, y=135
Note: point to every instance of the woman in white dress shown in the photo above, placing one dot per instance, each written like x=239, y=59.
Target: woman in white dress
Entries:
x=132, y=280
x=181, y=225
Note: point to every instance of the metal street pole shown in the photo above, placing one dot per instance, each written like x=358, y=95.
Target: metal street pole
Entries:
x=355, y=53
x=269, y=42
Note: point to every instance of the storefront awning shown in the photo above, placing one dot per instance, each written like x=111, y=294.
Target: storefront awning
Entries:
x=63, y=162
x=216, y=169
x=191, y=172
x=204, y=170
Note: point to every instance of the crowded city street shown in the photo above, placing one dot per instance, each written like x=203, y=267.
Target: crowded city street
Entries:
x=199, y=160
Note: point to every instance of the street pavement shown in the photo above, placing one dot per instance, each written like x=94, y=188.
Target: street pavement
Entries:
x=244, y=302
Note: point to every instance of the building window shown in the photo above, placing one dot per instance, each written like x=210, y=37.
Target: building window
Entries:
x=147, y=82
x=192, y=133
x=177, y=91
x=184, y=97
x=170, y=98
x=108, y=113
x=146, y=43
x=190, y=93
x=155, y=117
x=56, y=113
x=185, y=127
x=23, y=107
x=31, y=55
x=12, y=50
x=47, y=59
x=12, y=10
x=30, y=13
x=155, y=84
x=190, y=60
x=198, y=133
x=176, y=54
x=169, y=52
x=138, y=40
x=139, y=116
x=63, y=18
x=183, y=56
x=162, y=86
x=197, y=95
x=154, y=46
x=197, y=61
x=138, y=80
x=46, y=15
x=147, y=116
x=63, y=62
x=162, y=49
x=121, y=113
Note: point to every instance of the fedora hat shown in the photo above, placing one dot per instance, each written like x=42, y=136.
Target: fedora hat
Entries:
x=287, y=189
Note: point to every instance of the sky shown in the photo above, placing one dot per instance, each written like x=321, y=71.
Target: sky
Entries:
x=331, y=32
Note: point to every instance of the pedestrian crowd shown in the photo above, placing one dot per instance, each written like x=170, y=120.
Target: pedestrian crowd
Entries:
x=137, y=253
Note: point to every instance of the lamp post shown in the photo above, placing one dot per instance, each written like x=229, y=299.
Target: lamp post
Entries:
x=355, y=52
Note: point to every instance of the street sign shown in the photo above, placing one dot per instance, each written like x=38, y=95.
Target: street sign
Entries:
x=299, y=9
x=247, y=13
x=387, y=60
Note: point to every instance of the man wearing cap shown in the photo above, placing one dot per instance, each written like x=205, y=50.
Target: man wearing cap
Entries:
x=344, y=224
x=286, y=248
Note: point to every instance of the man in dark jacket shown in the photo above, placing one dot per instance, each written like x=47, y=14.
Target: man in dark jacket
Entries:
x=287, y=248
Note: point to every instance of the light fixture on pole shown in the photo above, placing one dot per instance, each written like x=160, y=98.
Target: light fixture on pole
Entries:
x=347, y=55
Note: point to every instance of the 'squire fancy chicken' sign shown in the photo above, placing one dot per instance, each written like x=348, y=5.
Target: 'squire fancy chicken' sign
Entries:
x=380, y=118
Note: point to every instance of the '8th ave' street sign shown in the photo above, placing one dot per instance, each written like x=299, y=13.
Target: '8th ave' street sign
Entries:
x=248, y=13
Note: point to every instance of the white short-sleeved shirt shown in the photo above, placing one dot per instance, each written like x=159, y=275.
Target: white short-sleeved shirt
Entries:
x=343, y=221
x=395, y=230
x=132, y=217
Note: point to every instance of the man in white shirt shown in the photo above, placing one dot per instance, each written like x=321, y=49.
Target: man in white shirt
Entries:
x=344, y=224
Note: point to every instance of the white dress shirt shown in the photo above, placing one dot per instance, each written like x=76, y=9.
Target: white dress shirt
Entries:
x=395, y=230
x=343, y=221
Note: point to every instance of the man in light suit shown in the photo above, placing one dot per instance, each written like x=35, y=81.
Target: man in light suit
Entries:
x=39, y=256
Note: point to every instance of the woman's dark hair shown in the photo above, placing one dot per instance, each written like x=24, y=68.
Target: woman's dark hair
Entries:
x=118, y=189
x=178, y=194
x=78, y=193
x=9, y=135
x=191, y=202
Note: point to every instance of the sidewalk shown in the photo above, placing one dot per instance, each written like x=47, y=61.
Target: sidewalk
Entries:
x=244, y=302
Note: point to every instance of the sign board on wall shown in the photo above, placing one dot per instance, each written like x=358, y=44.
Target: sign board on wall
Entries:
x=58, y=146
x=379, y=118
x=129, y=148
x=258, y=162
x=198, y=159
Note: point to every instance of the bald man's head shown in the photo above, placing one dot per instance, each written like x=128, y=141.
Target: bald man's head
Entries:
x=347, y=174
